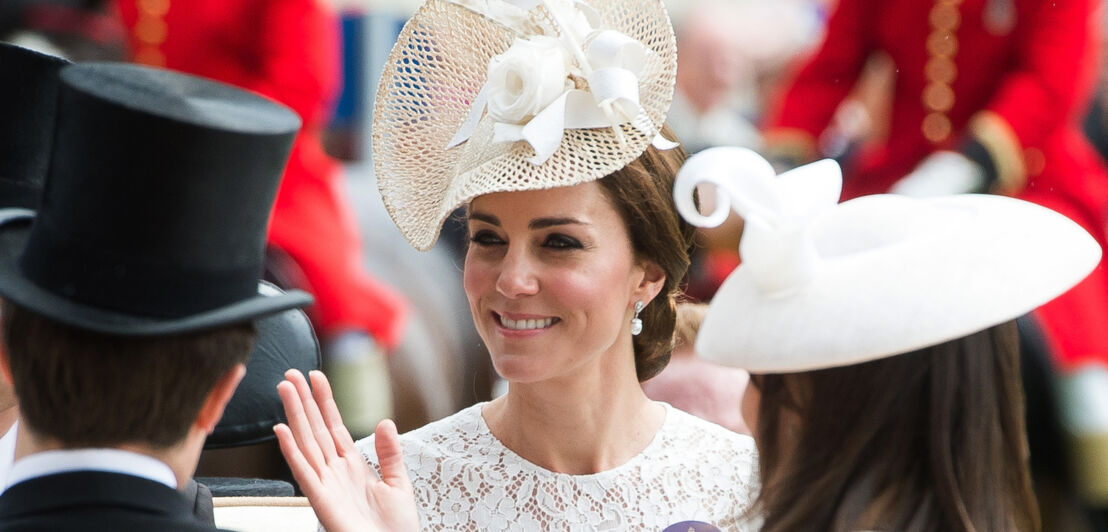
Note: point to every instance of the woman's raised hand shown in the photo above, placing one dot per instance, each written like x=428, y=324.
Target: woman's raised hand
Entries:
x=342, y=488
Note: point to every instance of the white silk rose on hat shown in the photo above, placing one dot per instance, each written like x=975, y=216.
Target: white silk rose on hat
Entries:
x=562, y=72
x=526, y=78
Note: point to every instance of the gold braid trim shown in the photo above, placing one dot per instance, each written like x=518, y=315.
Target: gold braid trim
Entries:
x=1004, y=147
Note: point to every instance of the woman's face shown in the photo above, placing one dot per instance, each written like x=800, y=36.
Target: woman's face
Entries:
x=551, y=280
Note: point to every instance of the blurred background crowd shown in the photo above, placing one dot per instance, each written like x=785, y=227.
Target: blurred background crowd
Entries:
x=888, y=93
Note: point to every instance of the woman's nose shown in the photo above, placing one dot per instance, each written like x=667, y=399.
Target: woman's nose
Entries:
x=517, y=275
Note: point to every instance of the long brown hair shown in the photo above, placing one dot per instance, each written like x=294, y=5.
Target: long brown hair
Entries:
x=932, y=440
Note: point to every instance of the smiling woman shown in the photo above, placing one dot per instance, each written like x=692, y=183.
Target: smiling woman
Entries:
x=575, y=255
x=553, y=279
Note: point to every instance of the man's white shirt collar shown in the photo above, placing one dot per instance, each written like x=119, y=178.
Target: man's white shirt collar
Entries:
x=7, y=454
x=106, y=460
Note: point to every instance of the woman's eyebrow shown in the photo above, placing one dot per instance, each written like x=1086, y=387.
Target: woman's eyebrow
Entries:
x=487, y=218
x=537, y=223
x=541, y=223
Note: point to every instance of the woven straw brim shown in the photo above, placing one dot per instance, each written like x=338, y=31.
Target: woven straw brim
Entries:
x=435, y=70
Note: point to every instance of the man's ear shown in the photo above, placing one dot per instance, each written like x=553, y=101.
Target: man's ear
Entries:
x=653, y=279
x=218, y=398
x=5, y=364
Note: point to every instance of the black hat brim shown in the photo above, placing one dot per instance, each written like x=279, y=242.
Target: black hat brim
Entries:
x=14, y=286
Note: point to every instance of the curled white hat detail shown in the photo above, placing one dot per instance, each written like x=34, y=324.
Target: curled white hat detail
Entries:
x=482, y=96
x=825, y=284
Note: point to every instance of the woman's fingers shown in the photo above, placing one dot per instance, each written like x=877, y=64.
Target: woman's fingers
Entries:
x=321, y=391
x=390, y=455
x=344, y=443
x=306, y=476
x=299, y=425
x=319, y=428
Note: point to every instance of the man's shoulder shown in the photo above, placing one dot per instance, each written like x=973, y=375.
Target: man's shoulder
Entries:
x=91, y=500
x=97, y=520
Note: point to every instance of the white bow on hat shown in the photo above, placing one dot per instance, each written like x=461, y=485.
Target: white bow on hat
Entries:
x=608, y=61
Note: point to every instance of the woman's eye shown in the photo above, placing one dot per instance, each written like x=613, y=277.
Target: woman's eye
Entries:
x=485, y=238
x=557, y=241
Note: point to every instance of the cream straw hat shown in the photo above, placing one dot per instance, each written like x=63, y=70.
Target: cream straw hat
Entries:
x=824, y=284
x=482, y=96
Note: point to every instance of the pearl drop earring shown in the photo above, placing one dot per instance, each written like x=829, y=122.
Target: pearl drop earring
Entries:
x=636, y=323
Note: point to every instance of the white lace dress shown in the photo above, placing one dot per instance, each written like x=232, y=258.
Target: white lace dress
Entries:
x=465, y=479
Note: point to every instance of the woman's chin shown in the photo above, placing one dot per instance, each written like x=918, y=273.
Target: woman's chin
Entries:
x=516, y=369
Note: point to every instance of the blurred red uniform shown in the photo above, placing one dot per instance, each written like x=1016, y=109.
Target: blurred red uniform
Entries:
x=1010, y=76
x=287, y=50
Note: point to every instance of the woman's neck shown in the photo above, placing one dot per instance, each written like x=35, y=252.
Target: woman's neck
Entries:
x=577, y=426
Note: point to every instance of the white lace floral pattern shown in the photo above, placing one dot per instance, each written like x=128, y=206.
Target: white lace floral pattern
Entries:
x=465, y=479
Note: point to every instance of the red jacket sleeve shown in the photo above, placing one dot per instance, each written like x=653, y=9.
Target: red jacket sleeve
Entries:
x=1048, y=86
x=1055, y=70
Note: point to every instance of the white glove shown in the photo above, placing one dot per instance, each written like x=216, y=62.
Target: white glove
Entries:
x=940, y=174
x=1084, y=400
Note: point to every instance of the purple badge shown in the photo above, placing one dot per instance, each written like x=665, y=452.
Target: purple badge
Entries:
x=691, y=526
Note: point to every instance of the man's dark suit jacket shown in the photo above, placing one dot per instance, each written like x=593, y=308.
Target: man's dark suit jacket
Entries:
x=93, y=501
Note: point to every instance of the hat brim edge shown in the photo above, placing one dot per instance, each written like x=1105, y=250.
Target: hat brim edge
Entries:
x=746, y=344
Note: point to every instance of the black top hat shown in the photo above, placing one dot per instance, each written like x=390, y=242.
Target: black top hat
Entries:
x=154, y=215
x=285, y=341
x=28, y=98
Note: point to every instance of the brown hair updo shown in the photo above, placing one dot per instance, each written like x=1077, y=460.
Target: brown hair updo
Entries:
x=642, y=193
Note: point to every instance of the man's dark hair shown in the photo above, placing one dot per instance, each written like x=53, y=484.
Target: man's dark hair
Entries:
x=89, y=389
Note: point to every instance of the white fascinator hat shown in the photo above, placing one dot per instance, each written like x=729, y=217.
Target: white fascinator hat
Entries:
x=825, y=284
x=482, y=96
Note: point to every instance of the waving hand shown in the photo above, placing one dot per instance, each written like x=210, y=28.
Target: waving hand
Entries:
x=342, y=488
